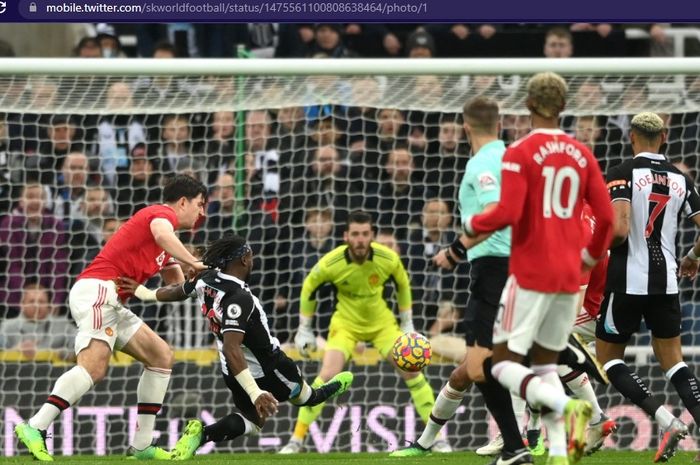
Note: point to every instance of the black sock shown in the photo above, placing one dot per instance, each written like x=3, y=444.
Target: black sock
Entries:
x=688, y=389
x=321, y=393
x=567, y=357
x=229, y=427
x=630, y=385
x=498, y=401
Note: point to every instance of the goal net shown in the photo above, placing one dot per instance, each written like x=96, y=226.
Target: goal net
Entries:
x=287, y=149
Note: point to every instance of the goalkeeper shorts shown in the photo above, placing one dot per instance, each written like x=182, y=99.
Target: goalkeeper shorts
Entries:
x=96, y=309
x=383, y=333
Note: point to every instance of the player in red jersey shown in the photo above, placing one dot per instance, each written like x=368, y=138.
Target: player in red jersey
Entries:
x=591, y=296
x=546, y=176
x=143, y=246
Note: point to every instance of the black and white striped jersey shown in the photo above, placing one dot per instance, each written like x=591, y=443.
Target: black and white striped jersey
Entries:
x=229, y=305
x=659, y=194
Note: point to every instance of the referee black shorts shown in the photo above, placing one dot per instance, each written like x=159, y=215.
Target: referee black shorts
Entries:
x=282, y=379
x=621, y=315
x=488, y=277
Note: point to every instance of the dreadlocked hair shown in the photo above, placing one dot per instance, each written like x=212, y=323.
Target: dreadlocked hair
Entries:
x=218, y=253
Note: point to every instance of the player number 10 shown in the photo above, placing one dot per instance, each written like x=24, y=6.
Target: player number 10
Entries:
x=553, y=183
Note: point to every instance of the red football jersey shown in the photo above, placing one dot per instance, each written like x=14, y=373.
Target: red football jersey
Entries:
x=594, y=279
x=546, y=176
x=132, y=251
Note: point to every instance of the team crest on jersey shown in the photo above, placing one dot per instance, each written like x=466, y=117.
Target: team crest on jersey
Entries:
x=109, y=332
x=374, y=279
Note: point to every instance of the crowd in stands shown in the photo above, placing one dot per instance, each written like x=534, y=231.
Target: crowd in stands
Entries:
x=286, y=181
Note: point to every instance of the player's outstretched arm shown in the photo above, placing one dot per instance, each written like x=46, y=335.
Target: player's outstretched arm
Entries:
x=265, y=403
x=404, y=296
x=172, y=293
x=164, y=235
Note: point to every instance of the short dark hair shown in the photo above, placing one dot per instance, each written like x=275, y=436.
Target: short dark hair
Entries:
x=219, y=252
x=481, y=113
x=183, y=186
x=359, y=216
x=559, y=32
x=165, y=46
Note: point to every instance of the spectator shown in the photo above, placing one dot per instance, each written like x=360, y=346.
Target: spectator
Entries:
x=420, y=44
x=558, y=43
x=219, y=146
x=11, y=172
x=109, y=42
x=71, y=186
x=316, y=241
x=31, y=232
x=118, y=133
x=324, y=185
x=588, y=96
x=263, y=162
x=515, y=127
x=86, y=229
x=139, y=186
x=88, y=47
x=62, y=138
x=435, y=291
x=400, y=201
x=37, y=327
x=386, y=238
x=109, y=227
x=441, y=170
x=176, y=153
x=328, y=42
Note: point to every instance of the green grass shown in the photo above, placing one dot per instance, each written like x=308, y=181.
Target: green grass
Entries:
x=460, y=458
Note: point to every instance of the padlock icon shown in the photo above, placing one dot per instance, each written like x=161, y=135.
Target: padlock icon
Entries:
x=32, y=7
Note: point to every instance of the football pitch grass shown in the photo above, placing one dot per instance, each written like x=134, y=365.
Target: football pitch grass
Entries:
x=458, y=458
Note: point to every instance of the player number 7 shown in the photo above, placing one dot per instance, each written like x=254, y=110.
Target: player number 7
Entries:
x=660, y=200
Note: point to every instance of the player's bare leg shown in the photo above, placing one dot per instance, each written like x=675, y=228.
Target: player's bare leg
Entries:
x=157, y=357
x=333, y=363
x=92, y=363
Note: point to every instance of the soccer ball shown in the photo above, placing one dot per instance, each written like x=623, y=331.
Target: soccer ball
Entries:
x=412, y=352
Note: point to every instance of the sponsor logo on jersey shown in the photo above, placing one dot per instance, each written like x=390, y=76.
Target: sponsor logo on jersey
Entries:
x=510, y=166
x=616, y=183
x=160, y=259
x=487, y=181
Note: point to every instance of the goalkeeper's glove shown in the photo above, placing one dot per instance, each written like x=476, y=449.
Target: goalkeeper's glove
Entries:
x=305, y=339
x=407, y=322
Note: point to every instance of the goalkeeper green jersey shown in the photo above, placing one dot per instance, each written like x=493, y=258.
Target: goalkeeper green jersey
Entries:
x=359, y=288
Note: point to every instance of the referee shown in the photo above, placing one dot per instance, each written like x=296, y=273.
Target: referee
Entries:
x=649, y=197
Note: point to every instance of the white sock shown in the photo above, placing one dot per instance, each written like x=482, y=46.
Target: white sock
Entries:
x=69, y=388
x=534, y=421
x=446, y=405
x=663, y=416
x=553, y=421
x=582, y=389
x=519, y=410
x=511, y=375
x=150, y=393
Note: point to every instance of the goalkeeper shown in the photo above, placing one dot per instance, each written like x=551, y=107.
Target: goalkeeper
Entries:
x=359, y=270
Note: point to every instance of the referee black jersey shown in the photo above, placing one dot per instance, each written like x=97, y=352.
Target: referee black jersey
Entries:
x=228, y=304
x=659, y=194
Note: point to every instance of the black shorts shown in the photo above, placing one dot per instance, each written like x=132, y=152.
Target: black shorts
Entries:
x=488, y=277
x=283, y=380
x=621, y=315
